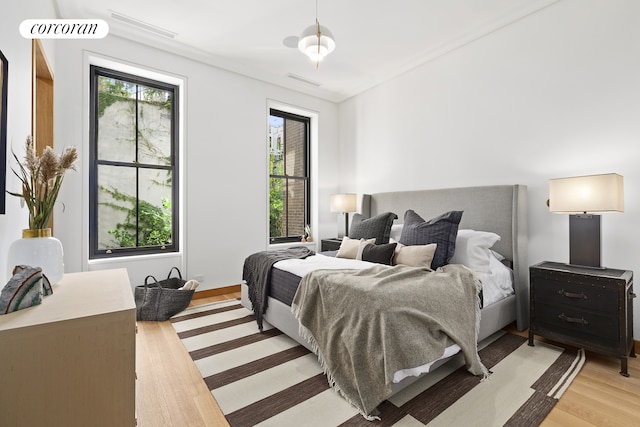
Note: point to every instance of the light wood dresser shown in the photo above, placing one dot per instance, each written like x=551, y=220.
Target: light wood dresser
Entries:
x=70, y=361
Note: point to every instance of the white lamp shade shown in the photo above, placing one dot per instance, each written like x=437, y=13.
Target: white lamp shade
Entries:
x=343, y=203
x=308, y=42
x=587, y=194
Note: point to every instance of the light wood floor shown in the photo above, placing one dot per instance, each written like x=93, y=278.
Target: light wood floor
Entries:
x=599, y=395
x=170, y=391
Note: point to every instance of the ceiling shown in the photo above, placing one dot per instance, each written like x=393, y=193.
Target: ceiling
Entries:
x=376, y=39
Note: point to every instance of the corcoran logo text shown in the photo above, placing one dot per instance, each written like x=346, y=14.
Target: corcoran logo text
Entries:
x=64, y=28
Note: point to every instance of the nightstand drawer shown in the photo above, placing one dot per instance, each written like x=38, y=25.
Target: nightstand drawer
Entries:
x=584, y=296
x=598, y=328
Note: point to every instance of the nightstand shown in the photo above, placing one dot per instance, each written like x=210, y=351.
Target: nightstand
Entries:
x=583, y=307
x=332, y=244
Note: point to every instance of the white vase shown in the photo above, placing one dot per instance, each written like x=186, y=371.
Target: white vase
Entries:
x=38, y=249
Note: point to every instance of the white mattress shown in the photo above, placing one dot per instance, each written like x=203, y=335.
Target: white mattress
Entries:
x=496, y=285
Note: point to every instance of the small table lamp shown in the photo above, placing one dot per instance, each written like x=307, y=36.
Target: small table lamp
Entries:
x=344, y=203
x=582, y=196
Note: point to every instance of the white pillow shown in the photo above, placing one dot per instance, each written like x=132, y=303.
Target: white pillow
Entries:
x=498, y=283
x=396, y=232
x=414, y=255
x=350, y=248
x=498, y=256
x=472, y=249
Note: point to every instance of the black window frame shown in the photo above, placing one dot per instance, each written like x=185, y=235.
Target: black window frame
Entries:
x=306, y=179
x=94, y=251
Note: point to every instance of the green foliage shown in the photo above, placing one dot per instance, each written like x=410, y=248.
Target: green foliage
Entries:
x=276, y=202
x=276, y=208
x=112, y=90
x=159, y=97
x=154, y=222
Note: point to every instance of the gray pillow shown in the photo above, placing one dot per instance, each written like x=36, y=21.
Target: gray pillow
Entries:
x=381, y=254
x=441, y=230
x=378, y=227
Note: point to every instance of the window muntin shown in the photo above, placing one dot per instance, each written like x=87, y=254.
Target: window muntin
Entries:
x=289, y=183
x=134, y=158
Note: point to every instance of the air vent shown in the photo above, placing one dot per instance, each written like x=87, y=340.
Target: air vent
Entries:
x=143, y=25
x=303, y=80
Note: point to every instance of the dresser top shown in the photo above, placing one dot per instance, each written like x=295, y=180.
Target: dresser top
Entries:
x=600, y=272
x=77, y=295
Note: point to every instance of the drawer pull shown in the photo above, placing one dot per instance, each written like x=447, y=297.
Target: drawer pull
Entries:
x=573, y=320
x=572, y=295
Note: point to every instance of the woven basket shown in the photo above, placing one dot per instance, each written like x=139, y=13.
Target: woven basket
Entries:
x=159, y=300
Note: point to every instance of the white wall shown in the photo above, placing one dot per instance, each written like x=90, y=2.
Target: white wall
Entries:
x=225, y=147
x=17, y=50
x=556, y=94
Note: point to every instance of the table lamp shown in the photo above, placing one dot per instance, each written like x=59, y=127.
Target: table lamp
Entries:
x=344, y=203
x=583, y=197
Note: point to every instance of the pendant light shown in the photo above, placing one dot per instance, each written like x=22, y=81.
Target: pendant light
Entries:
x=316, y=41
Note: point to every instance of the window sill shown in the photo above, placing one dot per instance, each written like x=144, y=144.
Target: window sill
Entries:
x=128, y=258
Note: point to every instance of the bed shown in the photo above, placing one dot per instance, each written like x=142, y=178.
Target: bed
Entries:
x=497, y=209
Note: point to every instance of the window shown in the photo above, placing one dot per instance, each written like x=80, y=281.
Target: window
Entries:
x=133, y=194
x=289, y=186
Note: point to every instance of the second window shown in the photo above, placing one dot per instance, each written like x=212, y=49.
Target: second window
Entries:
x=289, y=186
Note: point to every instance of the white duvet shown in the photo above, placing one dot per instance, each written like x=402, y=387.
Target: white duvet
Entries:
x=496, y=285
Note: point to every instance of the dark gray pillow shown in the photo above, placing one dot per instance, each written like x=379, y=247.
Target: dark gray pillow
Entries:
x=441, y=230
x=367, y=228
x=381, y=254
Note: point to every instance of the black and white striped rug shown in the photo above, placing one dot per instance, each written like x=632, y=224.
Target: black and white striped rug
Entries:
x=269, y=379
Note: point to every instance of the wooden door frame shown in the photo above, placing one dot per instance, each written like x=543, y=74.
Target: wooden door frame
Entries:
x=41, y=101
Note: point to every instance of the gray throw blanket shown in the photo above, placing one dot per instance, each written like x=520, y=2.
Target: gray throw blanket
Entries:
x=366, y=325
x=257, y=274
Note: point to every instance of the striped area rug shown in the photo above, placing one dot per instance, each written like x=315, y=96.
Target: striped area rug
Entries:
x=268, y=379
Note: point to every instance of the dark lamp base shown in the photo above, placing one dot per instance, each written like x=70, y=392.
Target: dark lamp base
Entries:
x=584, y=241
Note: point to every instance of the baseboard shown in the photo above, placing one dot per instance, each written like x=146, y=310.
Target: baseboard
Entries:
x=215, y=292
x=636, y=343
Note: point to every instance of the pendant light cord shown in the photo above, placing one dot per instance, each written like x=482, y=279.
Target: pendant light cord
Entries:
x=319, y=35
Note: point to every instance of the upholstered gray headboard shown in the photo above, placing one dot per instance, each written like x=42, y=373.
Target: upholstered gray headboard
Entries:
x=501, y=209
